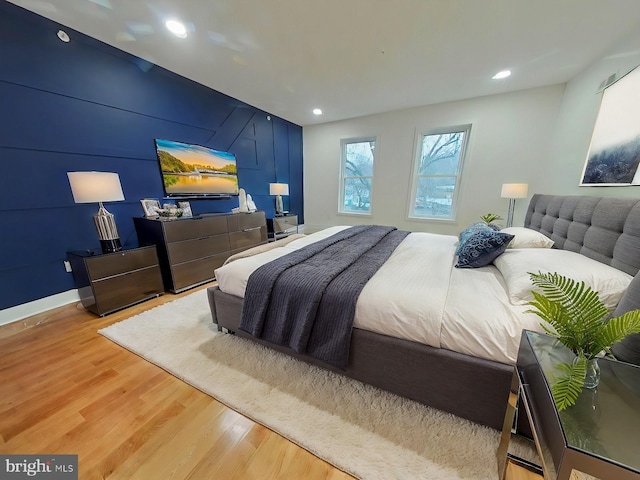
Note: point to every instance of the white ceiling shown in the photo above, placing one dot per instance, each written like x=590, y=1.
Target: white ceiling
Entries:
x=356, y=57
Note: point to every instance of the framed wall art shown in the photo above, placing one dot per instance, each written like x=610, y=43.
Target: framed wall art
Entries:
x=614, y=152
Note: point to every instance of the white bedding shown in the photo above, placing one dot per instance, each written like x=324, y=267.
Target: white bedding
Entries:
x=418, y=295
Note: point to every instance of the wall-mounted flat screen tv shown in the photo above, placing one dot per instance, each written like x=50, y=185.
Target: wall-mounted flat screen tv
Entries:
x=196, y=171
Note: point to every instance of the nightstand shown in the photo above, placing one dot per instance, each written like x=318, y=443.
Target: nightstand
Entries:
x=597, y=436
x=281, y=226
x=112, y=281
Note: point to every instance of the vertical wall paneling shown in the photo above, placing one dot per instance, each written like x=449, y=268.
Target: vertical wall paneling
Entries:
x=84, y=105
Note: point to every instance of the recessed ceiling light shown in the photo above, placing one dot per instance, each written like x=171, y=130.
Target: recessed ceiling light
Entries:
x=502, y=74
x=177, y=28
x=317, y=111
x=62, y=35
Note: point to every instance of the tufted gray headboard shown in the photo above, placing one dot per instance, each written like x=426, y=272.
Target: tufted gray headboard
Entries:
x=606, y=229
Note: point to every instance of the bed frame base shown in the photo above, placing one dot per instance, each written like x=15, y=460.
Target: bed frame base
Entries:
x=469, y=387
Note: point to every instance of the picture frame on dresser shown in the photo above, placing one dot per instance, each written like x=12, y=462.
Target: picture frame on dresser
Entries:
x=186, y=209
x=150, y=207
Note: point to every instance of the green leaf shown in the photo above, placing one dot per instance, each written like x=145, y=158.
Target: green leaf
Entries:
x=619, y=327
x=573, y=309
x=569, y=382
x=490, y=217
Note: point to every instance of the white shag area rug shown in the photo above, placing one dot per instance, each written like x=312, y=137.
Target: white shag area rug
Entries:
x=362, y=430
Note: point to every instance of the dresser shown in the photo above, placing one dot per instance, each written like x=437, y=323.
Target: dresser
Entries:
x=190, y=249
x=112, y=281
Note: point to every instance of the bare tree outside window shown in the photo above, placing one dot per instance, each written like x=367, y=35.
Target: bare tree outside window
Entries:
x=357, y=175
x=437, y=173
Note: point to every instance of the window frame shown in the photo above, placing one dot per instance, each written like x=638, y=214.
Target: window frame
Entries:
x=343, y=174
x=415, y=175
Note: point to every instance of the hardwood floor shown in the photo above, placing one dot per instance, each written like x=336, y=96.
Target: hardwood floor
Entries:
x=66, y=389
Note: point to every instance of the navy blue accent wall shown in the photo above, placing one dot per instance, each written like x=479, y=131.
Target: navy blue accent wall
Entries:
x=83, y=106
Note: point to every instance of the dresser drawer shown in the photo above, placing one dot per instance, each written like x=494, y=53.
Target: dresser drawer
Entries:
x=117, y=292
x=188, y=274
x=280, y=224
x=249, y=238
x=108, y=265
x=197, y=227
x=244, y=221
x=188, y=250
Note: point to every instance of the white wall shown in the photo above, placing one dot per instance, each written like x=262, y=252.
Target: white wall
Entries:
x=577, y=117
x=510, y=139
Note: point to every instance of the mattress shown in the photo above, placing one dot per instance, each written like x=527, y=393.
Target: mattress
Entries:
x=419, y=295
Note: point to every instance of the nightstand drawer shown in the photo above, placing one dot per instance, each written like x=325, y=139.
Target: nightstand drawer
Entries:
x=117, y=292
x=110, y=264
x=280, y=224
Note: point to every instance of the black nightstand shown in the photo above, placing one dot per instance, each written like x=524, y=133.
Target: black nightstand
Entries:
x=112, y=281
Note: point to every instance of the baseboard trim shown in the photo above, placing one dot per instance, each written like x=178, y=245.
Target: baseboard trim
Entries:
x=14, y=314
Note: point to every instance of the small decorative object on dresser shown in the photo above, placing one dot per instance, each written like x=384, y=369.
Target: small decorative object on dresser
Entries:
x=251, y=205
x=242, y=199
x=186, y=209
x=150, y=207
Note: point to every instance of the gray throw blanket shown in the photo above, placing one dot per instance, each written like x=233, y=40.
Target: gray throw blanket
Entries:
x=306, y=300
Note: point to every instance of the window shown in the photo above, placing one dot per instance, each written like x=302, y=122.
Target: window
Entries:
x=356, y=175
x=437, y=171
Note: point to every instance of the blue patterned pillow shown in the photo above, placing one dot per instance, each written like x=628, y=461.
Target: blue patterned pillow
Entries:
x=469, y=232
x=482, y=248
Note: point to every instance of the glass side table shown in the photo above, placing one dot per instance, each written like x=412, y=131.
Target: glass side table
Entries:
x=599, y=435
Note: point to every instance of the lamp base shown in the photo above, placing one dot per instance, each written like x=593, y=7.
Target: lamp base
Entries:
x=512, y=205
x=107, y=231
x=110, y=246
x=279, y=206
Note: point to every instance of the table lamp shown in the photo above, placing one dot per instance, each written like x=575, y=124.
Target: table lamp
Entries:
x=279, y=189
x=513, y=191
x=92, y=187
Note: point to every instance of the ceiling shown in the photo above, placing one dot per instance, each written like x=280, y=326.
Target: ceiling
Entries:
x=356, y=57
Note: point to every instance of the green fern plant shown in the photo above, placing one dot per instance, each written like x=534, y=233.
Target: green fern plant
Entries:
x=575, y=315
x=490, y=217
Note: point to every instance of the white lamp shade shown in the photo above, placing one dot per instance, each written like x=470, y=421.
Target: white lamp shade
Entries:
x=278, y=189
x=93, y=187
x=514, y=190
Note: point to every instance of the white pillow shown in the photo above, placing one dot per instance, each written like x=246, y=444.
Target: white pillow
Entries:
x=527, y=238
x=515, y=266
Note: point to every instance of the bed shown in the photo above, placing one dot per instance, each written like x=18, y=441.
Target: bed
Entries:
x=463, y=362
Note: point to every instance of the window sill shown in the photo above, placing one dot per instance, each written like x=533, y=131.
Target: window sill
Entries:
x=431, y=219
x=354, y=214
